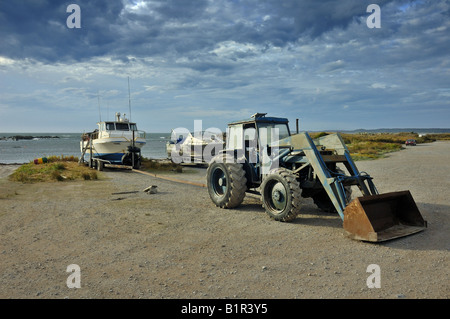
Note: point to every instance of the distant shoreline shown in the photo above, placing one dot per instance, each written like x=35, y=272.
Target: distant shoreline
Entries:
x=26, y=137
x=396, y=130
x=428, y=130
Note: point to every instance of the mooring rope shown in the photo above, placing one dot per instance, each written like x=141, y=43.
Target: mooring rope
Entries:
x=169, y=178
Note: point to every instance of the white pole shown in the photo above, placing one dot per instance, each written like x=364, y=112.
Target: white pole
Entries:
x=99, y=112
x=129, y=98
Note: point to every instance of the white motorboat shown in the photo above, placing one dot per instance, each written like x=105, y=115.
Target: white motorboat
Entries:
x=114, y=142
x=192, y=147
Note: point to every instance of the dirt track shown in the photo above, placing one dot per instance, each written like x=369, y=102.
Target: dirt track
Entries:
x=177, y=244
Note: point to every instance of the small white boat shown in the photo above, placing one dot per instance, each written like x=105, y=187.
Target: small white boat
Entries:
x=114, y=142
x=191, y=148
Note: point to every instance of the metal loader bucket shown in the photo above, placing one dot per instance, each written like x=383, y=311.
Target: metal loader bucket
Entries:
x=383, y=217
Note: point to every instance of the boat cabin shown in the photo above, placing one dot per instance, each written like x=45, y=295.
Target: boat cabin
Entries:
x=121, y=127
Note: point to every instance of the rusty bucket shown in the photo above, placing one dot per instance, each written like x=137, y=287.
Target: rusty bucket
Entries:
x=377, y=218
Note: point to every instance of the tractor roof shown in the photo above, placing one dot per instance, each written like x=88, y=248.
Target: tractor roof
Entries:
x=261, y=118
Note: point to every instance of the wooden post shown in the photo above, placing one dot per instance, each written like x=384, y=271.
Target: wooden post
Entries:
x=132, y=153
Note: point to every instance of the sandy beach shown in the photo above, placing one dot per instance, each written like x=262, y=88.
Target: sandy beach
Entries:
x=177, y=244
x=7, y=169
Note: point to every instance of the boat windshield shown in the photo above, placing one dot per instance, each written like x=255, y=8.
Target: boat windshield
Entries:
x=116, y=126
x=122, y=127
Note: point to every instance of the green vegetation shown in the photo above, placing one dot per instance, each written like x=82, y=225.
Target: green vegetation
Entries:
x=58, y=168
x=363, y=146
x=439, y=137
x=62, y=158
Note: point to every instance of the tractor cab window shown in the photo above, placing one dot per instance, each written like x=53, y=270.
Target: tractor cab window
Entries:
x=235, y=137
x=272, y=132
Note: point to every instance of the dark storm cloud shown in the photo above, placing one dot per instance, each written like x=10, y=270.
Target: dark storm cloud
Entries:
x=193, y=29
x=37, y=29
x=181, y=9
x=293, y=19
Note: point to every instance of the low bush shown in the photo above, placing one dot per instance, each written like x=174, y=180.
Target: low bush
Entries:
x=54, y=170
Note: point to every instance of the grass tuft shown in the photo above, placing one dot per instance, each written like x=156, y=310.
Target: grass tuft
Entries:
x=56, y=169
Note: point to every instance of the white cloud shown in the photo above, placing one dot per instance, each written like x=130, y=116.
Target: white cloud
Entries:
x=5, y=61
x=231, y=49
x=333, y=66
x=378, y=86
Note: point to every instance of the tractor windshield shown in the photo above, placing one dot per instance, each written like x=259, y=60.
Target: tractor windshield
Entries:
x=271, y=130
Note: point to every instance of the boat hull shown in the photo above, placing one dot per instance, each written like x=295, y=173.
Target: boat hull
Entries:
x=112, y=150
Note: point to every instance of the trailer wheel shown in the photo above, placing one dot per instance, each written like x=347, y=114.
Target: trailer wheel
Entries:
x=127, y=159
x=226, y=183
x=137, y=161
x=281, y=195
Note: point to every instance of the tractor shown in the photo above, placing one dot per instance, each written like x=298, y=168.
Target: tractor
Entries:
x=261, y=156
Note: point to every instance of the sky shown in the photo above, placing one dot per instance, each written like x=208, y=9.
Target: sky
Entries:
x=223, y=60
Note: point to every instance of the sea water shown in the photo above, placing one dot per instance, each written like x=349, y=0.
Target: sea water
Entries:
x=67, y=144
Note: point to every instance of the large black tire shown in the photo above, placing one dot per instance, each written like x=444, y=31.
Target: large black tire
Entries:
x=226, y=183
x=281, y=195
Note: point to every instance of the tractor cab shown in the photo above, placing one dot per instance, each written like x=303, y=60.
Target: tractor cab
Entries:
x=257, y=132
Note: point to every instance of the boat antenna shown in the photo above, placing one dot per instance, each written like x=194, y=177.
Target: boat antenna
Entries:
x=99, y=113
x=129, y=99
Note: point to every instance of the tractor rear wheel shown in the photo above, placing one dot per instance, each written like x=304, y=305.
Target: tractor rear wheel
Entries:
x=226, y=183
x=281, y=195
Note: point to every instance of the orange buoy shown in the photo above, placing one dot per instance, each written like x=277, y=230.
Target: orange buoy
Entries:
x=41, y=160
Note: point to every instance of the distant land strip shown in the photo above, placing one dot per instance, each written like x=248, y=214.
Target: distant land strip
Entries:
x=24, y=137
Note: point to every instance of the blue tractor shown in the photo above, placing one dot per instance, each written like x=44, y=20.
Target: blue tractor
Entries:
x=261, y=156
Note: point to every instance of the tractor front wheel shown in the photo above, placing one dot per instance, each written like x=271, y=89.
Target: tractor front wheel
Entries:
x=281, y=195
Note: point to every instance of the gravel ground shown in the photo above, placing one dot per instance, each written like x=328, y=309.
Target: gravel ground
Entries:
x=177, y=244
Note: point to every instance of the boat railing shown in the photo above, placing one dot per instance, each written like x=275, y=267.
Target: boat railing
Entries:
x=125, y=134
x=89, y=135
